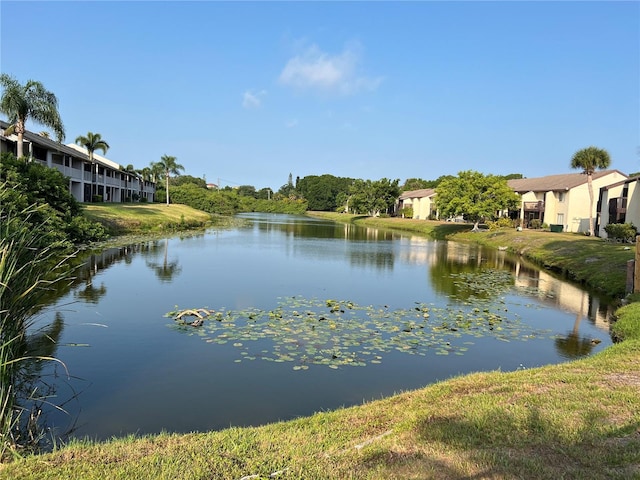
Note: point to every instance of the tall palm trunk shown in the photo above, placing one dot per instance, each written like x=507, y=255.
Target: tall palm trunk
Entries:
x=590, y=187
x=167, y=179
x=19, y=130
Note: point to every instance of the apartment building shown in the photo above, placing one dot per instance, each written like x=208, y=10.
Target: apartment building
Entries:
x=105, y=180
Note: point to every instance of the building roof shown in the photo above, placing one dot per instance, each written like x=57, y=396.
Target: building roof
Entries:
x=96, y=157
x=560, y=182
x=422, y=193
x=622, y=182
x=43, y=141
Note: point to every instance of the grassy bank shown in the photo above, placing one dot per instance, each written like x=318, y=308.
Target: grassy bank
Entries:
x=589, y=260
x=572, y=421
x=138, y=218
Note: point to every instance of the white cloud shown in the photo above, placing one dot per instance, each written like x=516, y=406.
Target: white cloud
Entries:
x=291, y=123
x=320, y=71
x=252, y=99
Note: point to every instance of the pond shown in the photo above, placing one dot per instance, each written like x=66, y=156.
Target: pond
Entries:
x=306, y=315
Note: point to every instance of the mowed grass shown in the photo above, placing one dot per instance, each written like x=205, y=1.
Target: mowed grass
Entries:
x=145, y=217
x=576, y=420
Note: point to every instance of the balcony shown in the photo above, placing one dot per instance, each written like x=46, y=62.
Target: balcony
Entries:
x=534, y=206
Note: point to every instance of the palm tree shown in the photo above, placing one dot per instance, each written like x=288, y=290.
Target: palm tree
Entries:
x=589, y=159
x=169, y=166
x=92, y=142
x=31, y=100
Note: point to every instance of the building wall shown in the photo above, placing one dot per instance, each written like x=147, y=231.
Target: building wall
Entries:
x=633, y=205
x=578, y=204
x=422, y=207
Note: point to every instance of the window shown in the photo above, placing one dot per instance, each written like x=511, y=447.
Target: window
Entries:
x=561, y=196
x=560, y=219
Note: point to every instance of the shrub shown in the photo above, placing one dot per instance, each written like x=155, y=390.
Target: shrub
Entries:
x=407, y=212
x=621, y=231
x=535, y=223
x=502, y=222
x=96, y=199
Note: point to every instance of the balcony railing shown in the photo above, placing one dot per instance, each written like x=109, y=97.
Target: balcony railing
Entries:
x=534, y=206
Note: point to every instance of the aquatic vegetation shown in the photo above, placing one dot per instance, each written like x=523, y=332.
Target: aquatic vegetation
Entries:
x=338, y=333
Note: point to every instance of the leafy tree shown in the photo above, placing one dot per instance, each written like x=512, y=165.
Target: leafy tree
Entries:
x=475, y=196
x=374, y=197
x=288, y=190
x=57, y=214
x=247, y=191
x=415, y=184
x=512, y=176
x=324, y=192
x=188, y=179
x=264, y=194
x=92, y=142
x=31, y=100
x=169, y=166
x=589, y=160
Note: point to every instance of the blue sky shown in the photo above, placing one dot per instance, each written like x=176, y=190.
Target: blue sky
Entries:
x=246, y=93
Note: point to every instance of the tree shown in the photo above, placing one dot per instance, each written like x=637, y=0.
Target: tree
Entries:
x=373, y=197
x=589, y=160
x=288, y=190
x=169, y=166
x=247, y=191
x=31, y=100
x=324, y=192
x=92, y=142
x=475, y=196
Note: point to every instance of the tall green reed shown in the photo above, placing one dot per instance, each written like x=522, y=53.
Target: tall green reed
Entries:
x=28, y=269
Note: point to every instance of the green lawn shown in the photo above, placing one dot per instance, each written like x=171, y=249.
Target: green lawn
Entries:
x=123, y=218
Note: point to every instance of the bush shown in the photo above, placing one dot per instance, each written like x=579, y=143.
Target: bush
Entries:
x=96, y=199
x=621, y=231
x=535, y=223
x=407, y=212
x=83, y=230
x=502, y=222
x=55, y=210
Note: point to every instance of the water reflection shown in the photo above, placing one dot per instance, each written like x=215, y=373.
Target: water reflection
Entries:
x=32, y=389
x=127, y=290
x=165, y=270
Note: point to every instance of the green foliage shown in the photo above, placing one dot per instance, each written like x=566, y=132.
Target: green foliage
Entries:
x=185, y=179
x=419, y=184
x=34, y=184
x=590, y=159
x=29, y=101
x=476, y=196
x=512, y=176
x=83, y=230
x=407, y=212
x=164, y=168
x=621, y=231
x=324, y=193
x=373, y=197
x=502, y=222
x=229, y=202
x=247, y=191
x=535, y=224
x=28, y=269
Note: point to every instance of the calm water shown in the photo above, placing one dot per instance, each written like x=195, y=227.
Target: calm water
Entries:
x=133, y=371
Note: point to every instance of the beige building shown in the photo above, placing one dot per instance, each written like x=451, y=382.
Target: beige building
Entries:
x=619, y=203
x=422, y=202
x=562, y=199
x=110, y=181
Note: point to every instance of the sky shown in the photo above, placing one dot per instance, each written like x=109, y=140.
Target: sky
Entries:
x=246, y=93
